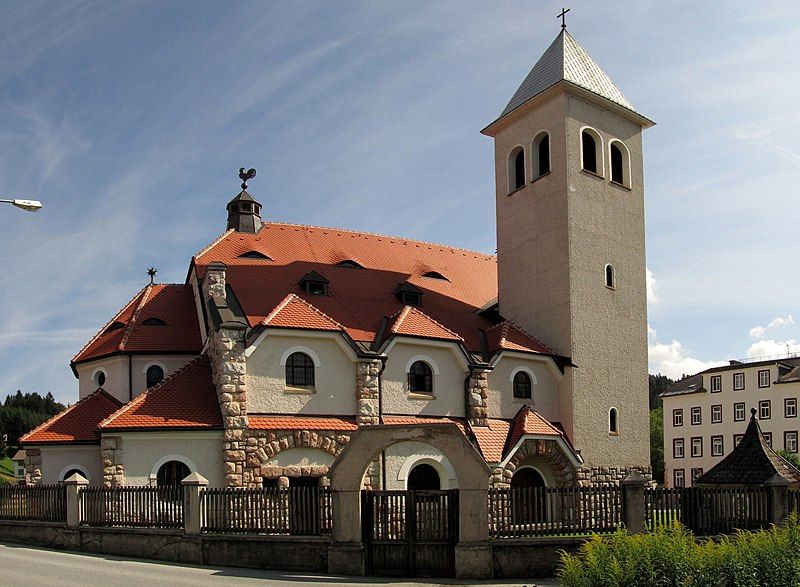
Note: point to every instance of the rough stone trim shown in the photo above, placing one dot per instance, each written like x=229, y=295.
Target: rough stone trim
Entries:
x=33, y=466
x=529, y=450
x=111, y=455
x=611, y=475
x=367, y=387
x=478, y=398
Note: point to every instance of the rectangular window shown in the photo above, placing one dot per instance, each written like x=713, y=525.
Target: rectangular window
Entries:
x=790, y=441
x=717, y=446
x=716, y=383
x=738, y=412
x=680, y=479
x=764, y=409
x=697, y=472
x=697, y=446
x=768, y=438
x=763, y=378
x=677, y=417
x=738, y=381
x=677, y=448
x=697, y=416
x=790, y=407
x=737, y=438
x=716, y=414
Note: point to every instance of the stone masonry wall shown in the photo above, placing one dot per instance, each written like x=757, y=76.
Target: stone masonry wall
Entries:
x=111, y=455
x=33, y=466
x=608, y=475
x=367, y=374
x=477, y=398
x=549, y=450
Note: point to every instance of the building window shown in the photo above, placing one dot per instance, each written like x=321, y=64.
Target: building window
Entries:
x=697, y=446
x=99, y=378
x=716, y=414
x=516, y=169
x=738, y=381
x=697, y=416
x=677, y=417
x=171, y=473
x=592, y=151
x=763, y=378
x=768, y=438
x=541, y=155
x=611, y=277
x=716, y=383
x=697, y=472
x=299, y=370
x=790, y=407
x=737, y=438
x=522, y=385
x=677, y=448
x=155, y=375
x=738, y=412
x=717, y=446
x=790, y=441
x=764, y=409
x=613, y=421
x=420, y=378
x=620, y=164
x=679, y=478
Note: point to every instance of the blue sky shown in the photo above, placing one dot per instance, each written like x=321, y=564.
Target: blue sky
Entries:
x=131, y=120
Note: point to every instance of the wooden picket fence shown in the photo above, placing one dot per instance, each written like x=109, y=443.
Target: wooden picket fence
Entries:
x=44, y=503
x=144, y=507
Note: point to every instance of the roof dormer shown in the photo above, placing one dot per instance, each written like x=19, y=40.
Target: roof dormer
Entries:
x=408, y=293
x=314, y=284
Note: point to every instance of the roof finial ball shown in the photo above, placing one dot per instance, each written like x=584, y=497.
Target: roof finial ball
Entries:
x=244, y=213
x=245, y=175
x=152, y=274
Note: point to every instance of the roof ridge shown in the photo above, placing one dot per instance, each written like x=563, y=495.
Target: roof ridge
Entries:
x=130, y=326
x=507, y=324
x=377, y=235
x=57, y=417
x=398, y=317
x=420, y=312
x=109, y=323
x=142, y=396
x=213, y=243
x=287, y=300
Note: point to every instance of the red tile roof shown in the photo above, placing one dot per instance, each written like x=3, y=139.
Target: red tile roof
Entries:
x=127, y=333
x=360, y=298
x=186, y=399
x=413, y=322
x=508, y=336
x=529, y=422
x=77, y=424
x=294, y=312
x=414, y=420
x=261, y=422
x=492, y=439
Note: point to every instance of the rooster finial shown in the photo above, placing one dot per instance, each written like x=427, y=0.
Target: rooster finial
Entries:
x=245, y=175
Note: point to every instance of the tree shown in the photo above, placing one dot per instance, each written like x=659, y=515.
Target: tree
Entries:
x=792, y=457
x=657, y=444
x=658, y=385
x=21, y=413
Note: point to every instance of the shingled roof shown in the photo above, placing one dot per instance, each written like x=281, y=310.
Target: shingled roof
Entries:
x=752, y=462
x=78, y=424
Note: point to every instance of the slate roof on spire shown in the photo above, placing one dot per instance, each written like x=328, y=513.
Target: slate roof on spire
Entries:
x=566, y=60
x=752, y=462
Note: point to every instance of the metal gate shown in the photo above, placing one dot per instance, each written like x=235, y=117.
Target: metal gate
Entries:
x=410, y=533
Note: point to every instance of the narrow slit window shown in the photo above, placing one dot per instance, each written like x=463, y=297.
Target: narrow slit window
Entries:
x=590, y=152
x=616, y=165
x=613, y=421
x=516, y=169
x=611, y=278
x=541, y=155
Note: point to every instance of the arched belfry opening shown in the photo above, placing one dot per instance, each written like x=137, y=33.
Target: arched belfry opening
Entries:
x=244, y=213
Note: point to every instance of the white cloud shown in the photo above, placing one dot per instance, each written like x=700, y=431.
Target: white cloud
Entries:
x=671, y=360
x=779, y=322
x=651, y=332
x=652, y=297
x=772, y=348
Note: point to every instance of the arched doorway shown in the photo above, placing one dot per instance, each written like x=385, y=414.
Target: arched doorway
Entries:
x=424, y=477
x=528, y=496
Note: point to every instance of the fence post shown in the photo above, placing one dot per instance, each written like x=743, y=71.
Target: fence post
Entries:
x=192, y=485
x=633, y=502
x=72, y=486
x=778, y=498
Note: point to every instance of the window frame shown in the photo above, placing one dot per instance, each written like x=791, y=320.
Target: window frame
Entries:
x=768, y=382
x=536, y=155
x=613, y=430
x=697, y=472
x=736, y=406
x=767, y=438
x=696, y=411
x=514, y=185
x=412, y=379
x=718, y=380
x=786, y=405
x=625, y=162
x=692, y=445
x=721, y=440
x=147, y=375
x=738, y=374
x=786, y=434
x=678, y=446
x=291, y=368
x=677, y=414
x=737, y=438
x=715, y=420
x=610, y=271
x=679, y=477
x=514, y=383
x=764, y=403
x=599, y=151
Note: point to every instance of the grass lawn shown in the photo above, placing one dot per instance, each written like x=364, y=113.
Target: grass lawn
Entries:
x=6, y=471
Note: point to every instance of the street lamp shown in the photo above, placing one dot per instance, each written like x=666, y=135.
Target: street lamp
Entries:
x=27, y=205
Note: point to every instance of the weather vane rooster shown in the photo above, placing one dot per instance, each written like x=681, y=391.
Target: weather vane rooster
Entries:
x=246, y=175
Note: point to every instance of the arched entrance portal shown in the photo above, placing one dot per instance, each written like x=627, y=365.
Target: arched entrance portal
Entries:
x=424, y=477
x=528, y=497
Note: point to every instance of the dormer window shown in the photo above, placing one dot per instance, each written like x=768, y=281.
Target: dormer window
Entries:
x=253, y=255
x=350, y=264
x=314, y=284
x=114, y=326
x=154, y=322
x=409, y=294
x=435, y=275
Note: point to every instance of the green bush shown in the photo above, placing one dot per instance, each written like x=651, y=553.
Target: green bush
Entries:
x=671, y=557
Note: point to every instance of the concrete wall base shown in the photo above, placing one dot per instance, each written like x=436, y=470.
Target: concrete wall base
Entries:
x=474, y=560
x=347, y=558
x=526, y=558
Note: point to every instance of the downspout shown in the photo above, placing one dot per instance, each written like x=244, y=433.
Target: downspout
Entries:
x=380, y=417
x=130, y=377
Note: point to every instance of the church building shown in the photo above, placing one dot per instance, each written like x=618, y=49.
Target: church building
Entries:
x=285, y=339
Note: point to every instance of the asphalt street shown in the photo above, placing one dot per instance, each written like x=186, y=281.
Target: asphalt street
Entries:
x=38, y=566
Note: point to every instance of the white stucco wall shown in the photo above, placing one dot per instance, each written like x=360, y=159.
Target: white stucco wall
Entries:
x=200, y=450
x=544, y=391
x=402, y=457
x=334, y=375
x=448, y=384
x=57, y=460
x=116, y=370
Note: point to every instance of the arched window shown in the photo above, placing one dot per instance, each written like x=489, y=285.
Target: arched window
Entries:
x=516, y=169
x=155, y=375
x=620, y=163
x=420, y=377
x=171, y=473
x=592, y=151
x=424, y=477
x=522, y=385
x=613, y=421
x=299, y=370
x=611, y=278
x=541, y=155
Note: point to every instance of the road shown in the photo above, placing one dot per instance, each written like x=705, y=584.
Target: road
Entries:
x=23, y=565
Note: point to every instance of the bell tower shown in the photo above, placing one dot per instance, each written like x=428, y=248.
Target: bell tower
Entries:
x=571, y=247
x=244, y=213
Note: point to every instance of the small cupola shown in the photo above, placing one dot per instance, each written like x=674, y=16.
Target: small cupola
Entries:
x=244, y=213
x=408, y=293
x=314, y=284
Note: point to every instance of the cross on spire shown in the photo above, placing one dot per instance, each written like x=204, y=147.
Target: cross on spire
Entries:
x=563, y=17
